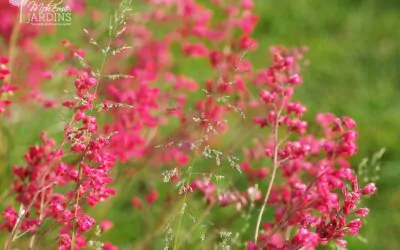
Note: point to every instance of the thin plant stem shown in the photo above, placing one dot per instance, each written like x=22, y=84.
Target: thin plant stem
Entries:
x=271, y=182
x=198, y=223
x=178, y=228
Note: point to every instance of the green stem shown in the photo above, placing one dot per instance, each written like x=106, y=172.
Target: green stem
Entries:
x=275, y=167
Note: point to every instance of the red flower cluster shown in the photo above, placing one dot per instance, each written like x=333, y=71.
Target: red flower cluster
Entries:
x=5, y=88
x=37, y=182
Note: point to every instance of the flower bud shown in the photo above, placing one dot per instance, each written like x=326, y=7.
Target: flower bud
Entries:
x=267, y=96
x=362, y=212
x=369, y=189
x=349, y=123
x=295, y=80
x=341, y=243
x=354, y=226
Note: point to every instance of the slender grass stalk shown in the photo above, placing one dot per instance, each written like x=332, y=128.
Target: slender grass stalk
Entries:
x=271, y=182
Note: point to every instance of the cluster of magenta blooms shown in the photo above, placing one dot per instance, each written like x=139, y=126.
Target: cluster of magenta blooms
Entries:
x=5, y=88
x=315, y=201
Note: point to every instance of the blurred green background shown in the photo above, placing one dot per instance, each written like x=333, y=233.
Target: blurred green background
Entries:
x=354, y=55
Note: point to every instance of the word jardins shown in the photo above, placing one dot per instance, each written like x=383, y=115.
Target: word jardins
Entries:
x=47, y=14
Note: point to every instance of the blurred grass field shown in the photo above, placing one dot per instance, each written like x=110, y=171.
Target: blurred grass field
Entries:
x=354, y=55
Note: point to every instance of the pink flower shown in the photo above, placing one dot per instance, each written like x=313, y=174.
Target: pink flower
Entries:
x=195, y=50
x=10, y=216
x=295, y=80
x=261, y=121
x=109, y=246
x=85, y=222
x=77, y=6
x=136, y=202
x=369, y=189
x=354, y=226
x=65, y=242
x=267, y=96
x=106, y=225
x=251, y=246
x=362, y=212
x=341, y=243
x=152, y=196
x=349, y=123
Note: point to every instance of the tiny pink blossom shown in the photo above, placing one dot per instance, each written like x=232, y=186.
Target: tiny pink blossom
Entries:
x=369, y=189
x=362, y=212
x=295, y=80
